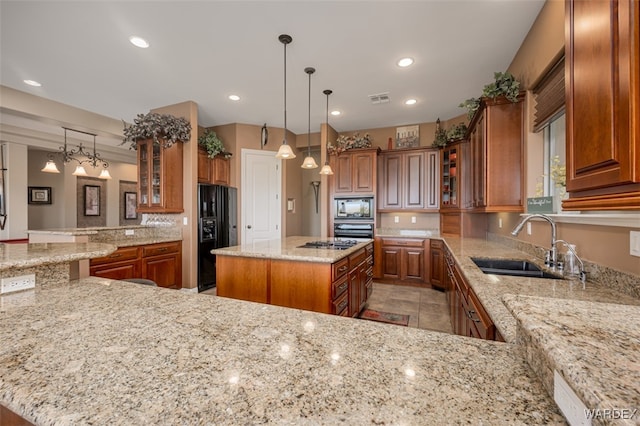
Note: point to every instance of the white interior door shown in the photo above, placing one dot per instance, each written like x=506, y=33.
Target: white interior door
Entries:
x=261, y=203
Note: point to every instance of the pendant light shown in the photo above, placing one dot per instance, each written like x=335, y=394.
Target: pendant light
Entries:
x=81, y=155
x=326, y=169
x=285, y=151
x=50, y=167
x=309, y=162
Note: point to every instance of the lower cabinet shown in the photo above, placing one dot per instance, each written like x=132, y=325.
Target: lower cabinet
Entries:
x=468, y=316
x=161, y=263
x=403, y=260
x=436, y=269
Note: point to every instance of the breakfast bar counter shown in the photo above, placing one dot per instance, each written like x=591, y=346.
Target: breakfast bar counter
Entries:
x=97, y=351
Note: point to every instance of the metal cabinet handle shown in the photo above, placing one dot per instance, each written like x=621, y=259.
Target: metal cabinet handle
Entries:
x=343, y=287
x=113, y=256
x=343, y=268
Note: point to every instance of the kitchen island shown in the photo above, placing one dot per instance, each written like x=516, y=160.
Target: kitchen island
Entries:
x=331, y=277
x=96, y=351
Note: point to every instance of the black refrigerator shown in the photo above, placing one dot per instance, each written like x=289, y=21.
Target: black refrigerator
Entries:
x=217, y=227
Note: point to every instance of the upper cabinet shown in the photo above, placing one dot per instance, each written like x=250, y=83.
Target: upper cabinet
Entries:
x=456, y=176
x=603, y=105
x=159, y=178
x=215, y=171
x=354, y=171
x=496, y=134
x=408, y=180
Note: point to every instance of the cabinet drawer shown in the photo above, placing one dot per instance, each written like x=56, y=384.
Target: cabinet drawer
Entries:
x=368, y=250
x=157, y=249
x=408, y=242
x=125, y=253
x=436, y=244
x=340, y=268
x=341, y=305
x=339, y=287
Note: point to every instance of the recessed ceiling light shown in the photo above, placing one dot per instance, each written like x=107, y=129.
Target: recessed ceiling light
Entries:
x=234, y=97
x=139, y=42
x=410, y=102
x=405, y=62
x=32, y=83
x=336, y=112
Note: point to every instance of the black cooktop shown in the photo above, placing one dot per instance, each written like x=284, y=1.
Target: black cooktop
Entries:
x=330, y=245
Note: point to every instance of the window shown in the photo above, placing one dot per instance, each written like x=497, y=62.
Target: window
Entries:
x=554, y=135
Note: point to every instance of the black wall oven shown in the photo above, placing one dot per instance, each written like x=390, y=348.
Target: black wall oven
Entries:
x=353, y=217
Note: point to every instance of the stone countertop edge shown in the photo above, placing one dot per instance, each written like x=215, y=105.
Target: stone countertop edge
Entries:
x=407, y=233
x=594, y=346
x=491, y=288
x=288, y=249
x=83, y=231
x=130, y=242
x=37, y=254
x=239, y=362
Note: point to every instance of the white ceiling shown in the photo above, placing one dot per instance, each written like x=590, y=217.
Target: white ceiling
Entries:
x=206, y=50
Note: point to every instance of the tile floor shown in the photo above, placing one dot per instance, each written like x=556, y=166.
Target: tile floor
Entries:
x=427, y=308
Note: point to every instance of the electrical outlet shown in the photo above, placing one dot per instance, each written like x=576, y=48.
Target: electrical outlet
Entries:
x=499, y=222
x=128, y=232
x=396, y=219
x=528, y=228
x=634, y=243
x=413, y=219
x=571, y=406
x=23, y=282
x=185, y=221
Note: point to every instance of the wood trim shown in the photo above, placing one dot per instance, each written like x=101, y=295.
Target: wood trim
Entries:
x=623, y=201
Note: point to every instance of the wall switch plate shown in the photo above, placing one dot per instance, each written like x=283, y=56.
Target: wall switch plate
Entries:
x=396, y=219
x=634, y=243
x=573, y=409
x=128, y=232
x=413, y=219
x=185, y=221
x=499, y=222
x=23, y=282
x=528, y=228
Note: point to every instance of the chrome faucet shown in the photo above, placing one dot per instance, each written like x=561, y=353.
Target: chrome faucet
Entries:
x=552, y=258
x=582, y=274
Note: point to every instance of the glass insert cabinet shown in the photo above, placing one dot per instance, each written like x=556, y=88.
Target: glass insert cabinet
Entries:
x=450, y=177
x=159, y=178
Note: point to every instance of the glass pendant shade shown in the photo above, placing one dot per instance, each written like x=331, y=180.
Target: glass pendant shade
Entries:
x=309, y=163
x=50, y=167
x=285, y=152
x=104, y=174
x=80, y=171
x=326, y=170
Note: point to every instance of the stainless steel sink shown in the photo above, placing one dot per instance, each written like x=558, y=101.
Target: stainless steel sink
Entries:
x=513, y=267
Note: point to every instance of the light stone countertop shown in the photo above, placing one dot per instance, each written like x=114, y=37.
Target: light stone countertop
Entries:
x=407, y=233
x=38, y=254
x=491, y=288
x=82, y=231
x=140, y=241
x=288, y=249
x=594, y=346
x=97, y=351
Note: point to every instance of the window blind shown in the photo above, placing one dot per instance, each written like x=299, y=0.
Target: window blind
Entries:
x=550, y=97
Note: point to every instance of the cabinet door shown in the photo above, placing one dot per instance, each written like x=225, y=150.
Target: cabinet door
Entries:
x=437, y=265
x=363, y=172
x=478, y=165
x=159, y=178
x=166, y=271
x=204, y=166
x=342, y=176
x=414, y=177
x=221, y=171
x=432, y=180
x=363, y=279
x=117, y=271
x=391, y=181
x=603, y=103
x=413, y=259
x=354, y=292
x=391, y=262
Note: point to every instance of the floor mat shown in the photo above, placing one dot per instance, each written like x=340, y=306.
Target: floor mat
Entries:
x=388, y=317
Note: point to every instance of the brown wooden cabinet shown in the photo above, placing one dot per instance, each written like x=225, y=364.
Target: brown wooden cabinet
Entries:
x=436, y=270
x=159, y=178
x=468, y=316
x=496, y=135
x=215, y=171
x=161, y=263
x=404, y=260
x=408, y=180
x=354, y=171
x=603, y=105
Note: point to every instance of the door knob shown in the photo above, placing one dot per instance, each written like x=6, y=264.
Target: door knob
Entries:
x=248, y=226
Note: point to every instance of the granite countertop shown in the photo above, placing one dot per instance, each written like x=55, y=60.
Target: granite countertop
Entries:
x=491, y=288
x=37, y=254
x=82, y=231
x=289, y=249
x=97, y=351
x=594, y=346
x=143, y=241
x=407, y=233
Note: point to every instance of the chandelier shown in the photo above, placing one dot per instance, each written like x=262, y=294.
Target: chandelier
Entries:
x=81, y=155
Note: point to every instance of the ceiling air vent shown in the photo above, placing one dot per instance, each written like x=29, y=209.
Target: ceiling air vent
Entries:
x=380, y=98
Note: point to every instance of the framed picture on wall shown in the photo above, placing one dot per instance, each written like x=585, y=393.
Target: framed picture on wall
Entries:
x=39, y=195
x=91, y=200
x=130, y=204
x=408, y=136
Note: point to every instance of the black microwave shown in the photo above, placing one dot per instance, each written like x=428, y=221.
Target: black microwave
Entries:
x=353, y=208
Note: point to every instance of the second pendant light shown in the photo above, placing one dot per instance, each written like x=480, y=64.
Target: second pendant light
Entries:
x=309, y=162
